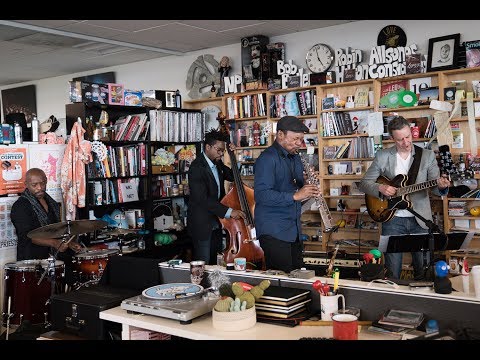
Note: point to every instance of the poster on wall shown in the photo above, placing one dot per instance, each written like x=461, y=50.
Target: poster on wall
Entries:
x=13, y=162
x=20, y=100
x=48, y=158
x=8, y=237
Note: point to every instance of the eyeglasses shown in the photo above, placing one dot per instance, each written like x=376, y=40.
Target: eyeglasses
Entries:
x=219, y=150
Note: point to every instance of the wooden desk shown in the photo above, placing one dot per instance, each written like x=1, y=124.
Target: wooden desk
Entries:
x=452, y=311
x=201, y=328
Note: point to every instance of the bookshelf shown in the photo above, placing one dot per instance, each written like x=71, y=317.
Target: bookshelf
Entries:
x=359, y=163
x=345, y=152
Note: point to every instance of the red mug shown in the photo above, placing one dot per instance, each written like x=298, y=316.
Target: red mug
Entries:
x=345, y=327
x=415, y=132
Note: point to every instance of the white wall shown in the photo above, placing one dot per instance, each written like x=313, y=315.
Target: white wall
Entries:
x=170, y=72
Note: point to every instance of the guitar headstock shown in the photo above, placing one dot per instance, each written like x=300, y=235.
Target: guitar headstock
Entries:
x=445, y=161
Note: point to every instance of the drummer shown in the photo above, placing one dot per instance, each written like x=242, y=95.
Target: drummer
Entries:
x=33, y=209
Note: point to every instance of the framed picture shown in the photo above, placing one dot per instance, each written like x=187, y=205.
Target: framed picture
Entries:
x=443, y=52
x=427, y=95
x=116, y=94
x=169, y=99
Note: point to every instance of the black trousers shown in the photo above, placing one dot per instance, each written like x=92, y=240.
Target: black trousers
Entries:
x=282, y=255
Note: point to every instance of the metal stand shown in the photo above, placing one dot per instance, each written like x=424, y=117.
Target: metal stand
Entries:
x=50, y=269
x=428, y=272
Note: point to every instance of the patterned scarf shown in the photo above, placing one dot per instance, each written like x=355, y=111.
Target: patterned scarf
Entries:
x=38, y=208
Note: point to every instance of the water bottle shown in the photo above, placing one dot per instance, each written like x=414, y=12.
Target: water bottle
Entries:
x=18, y=134
x=35, y=129
x=178, y=99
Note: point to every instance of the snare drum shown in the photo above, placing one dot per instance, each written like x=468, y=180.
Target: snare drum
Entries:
x=89, y=266
x=30, y=301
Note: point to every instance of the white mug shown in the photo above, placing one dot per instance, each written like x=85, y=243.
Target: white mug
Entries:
x=329, y=305
x=240, y=263
x=475, y=274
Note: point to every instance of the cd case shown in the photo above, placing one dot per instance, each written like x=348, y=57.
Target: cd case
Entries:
x=402, y=318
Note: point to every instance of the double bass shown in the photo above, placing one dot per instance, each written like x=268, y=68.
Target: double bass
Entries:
x=242, y=240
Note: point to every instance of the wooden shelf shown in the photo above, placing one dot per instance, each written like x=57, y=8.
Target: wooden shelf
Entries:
x=361, y=108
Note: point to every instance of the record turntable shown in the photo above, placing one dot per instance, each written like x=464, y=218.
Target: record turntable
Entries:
x=177, y=301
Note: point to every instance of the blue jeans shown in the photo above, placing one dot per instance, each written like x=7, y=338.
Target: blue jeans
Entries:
x=403, y=226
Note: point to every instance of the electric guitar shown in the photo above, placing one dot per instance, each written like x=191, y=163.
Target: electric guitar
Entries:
x=382, y=209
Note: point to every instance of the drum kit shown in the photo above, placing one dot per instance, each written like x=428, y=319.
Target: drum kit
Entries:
x=27, y=292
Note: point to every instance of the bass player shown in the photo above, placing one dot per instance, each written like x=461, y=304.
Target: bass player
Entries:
x=397, y=160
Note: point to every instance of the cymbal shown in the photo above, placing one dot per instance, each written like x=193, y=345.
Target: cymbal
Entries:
x=61, y=229
x=120, y=231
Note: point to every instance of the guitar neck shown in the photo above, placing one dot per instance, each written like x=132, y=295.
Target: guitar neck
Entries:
x=416, y=187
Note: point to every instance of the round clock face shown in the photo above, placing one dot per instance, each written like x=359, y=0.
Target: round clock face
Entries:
x=211, y=113
x=319, y=58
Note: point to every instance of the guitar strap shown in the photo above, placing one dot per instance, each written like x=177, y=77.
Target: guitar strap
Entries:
x=413, y=171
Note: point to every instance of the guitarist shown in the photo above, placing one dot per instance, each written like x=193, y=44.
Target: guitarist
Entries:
x=397, y=160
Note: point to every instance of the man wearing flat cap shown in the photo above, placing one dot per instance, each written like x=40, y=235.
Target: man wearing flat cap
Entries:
x=279, y=190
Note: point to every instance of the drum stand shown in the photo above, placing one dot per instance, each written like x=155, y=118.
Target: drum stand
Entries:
x=9, y=315
x=50, y=270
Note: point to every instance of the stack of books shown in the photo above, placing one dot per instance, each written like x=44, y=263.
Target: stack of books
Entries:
x=282, y=302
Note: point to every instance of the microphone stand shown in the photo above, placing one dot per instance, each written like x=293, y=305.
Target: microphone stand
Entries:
x=50, y=269
x=432, y=227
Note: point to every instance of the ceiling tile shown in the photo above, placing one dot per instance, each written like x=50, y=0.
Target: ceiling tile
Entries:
x=9, y=32
x=267, y=29
x=92, y=30
x=220, y=25
x=129, y=25
x=54, y=24
x=49, y=40
x=177, y=32
x=304, y=25
x=11, y=50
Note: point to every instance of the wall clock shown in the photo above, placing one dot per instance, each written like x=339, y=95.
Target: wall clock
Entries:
x=211, y=114
x=319, y=58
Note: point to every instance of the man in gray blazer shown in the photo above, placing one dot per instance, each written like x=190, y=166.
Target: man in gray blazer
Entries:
x=397, y=160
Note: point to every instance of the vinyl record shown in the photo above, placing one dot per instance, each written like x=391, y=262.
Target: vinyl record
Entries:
x=407, y=98
x=392, y=36
x=391, y=100
x=172, y=291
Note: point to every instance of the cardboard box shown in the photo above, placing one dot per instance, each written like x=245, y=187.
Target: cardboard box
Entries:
x=275, y=52
x=255, y=74
x=133, y=98
x=75, y=92
x=85, y=91
x=116, y=94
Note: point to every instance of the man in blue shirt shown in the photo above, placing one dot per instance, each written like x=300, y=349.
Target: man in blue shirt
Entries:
x=279, y=190
x=206, y=180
